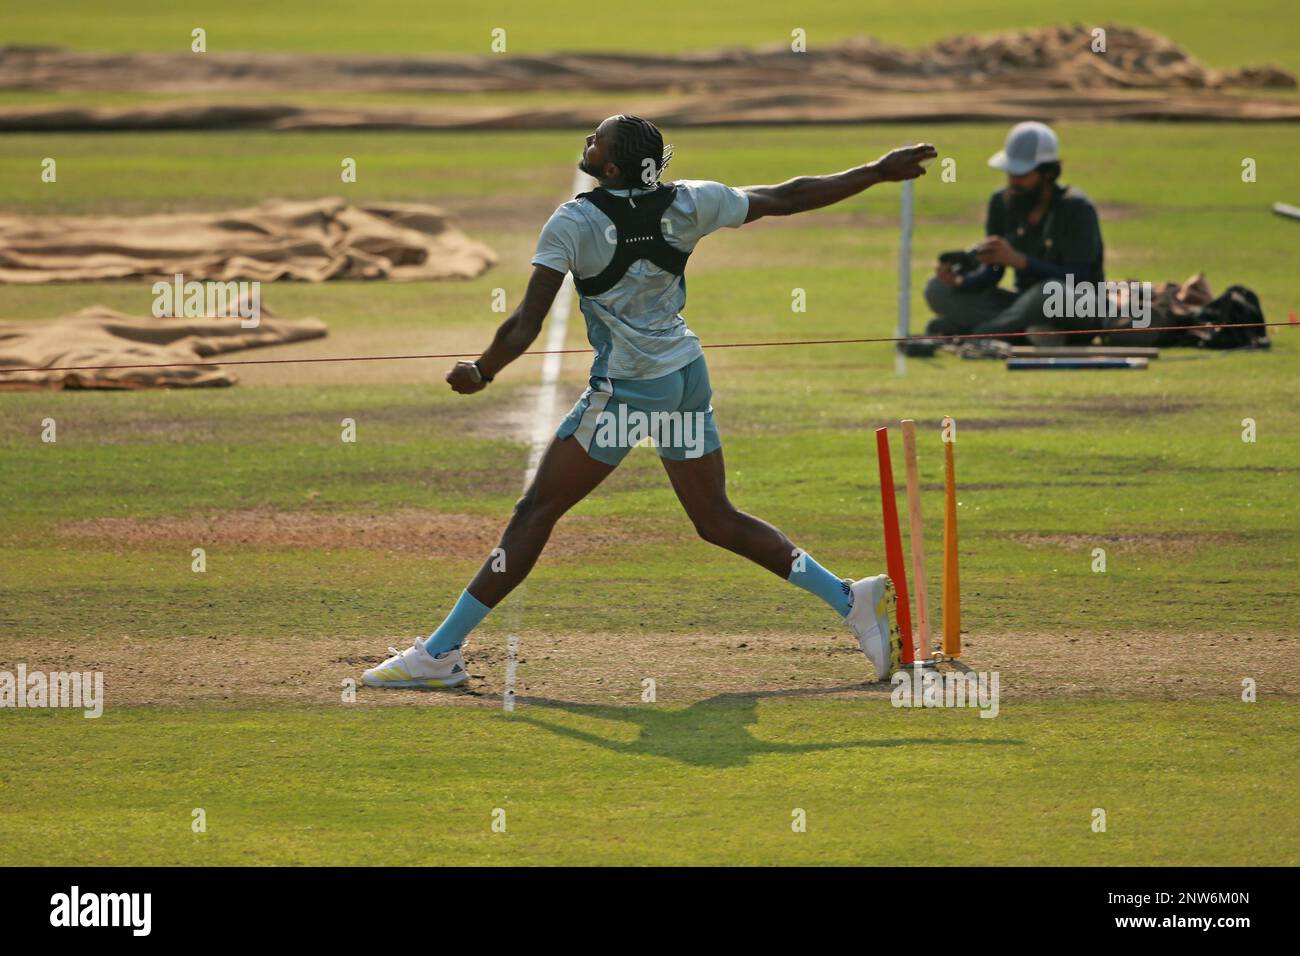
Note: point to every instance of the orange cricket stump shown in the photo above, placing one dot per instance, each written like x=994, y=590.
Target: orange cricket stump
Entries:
x=915, y=536
x=951, y=585
x=894, y=565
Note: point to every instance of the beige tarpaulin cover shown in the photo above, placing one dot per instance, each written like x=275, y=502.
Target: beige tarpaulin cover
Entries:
x=1055, y=57
x=277, y=239
x=721, y=109
x=1049, y=73
x=101, y=336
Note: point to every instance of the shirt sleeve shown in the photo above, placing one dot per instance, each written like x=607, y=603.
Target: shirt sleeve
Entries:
x=986, y=277
x=557, y=246
x=718, y=206
x=1036, y=268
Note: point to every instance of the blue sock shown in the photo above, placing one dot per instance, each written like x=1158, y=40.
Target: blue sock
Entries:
x=817, y=580
x=464, y=617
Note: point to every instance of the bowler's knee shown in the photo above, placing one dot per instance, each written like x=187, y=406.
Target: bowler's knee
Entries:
x=533, y=509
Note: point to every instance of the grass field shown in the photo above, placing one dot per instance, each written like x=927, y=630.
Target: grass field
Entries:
x=1253, y=32
x=1120, y=690
x=712, y=783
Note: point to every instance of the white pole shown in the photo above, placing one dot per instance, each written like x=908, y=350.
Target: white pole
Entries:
x=904, y=278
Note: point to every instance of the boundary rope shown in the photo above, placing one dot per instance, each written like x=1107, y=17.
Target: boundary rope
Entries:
x=786, y=343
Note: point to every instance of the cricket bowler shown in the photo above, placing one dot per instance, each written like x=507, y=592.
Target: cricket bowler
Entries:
x=627, y=243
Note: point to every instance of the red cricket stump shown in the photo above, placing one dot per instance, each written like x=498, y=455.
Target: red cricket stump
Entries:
x=894, y=565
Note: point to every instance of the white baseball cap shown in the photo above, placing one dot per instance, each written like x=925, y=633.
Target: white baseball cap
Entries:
x=1028, y=145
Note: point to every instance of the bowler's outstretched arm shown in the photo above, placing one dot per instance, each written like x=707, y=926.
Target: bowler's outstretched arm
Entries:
x=813, y=192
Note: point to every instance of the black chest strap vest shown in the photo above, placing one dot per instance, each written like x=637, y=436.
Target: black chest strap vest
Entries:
x=639, y=236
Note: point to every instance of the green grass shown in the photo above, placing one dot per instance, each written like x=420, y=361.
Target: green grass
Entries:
x=1255, y=31
x=714, y=783
x=1138, y=465
x=1118, y=482
x=130, y=172
x=1200, y=530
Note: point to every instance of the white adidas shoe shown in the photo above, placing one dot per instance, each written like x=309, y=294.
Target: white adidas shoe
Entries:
x=874, y=621
x=416, y=667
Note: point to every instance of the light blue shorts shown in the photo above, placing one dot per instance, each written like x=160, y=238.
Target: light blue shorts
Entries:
x=673, y=411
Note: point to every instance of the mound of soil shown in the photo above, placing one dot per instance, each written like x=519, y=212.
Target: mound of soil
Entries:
x=1056, y=57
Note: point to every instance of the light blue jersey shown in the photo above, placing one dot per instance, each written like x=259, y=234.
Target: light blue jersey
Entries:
x=636, y=327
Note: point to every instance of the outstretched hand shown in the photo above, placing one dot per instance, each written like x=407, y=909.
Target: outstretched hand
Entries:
x=465, y=378
x=905, y=163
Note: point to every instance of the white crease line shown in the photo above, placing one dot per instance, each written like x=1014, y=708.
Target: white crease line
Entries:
x=544, y=425
x=512, y=663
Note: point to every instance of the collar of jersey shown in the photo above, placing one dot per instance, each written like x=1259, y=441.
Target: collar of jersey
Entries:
x=639, y=190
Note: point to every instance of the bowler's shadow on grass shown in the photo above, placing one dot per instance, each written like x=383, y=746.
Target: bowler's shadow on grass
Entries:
x=712, y=732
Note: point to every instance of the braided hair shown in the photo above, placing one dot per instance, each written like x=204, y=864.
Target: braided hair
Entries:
x=638, y=151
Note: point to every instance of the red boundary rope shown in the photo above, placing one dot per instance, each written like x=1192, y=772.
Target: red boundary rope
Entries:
x=725, y=345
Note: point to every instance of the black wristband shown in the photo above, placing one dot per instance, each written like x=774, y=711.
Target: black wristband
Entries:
x=482, y=374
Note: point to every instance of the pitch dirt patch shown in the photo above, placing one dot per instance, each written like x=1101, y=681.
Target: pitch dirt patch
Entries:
x=1166, y=542
x=1146, y=664
x=687, y=667
x=410, y=530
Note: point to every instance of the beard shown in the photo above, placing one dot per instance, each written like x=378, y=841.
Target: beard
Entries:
x=1023, y=201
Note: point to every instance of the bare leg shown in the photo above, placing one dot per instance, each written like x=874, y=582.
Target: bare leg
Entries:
x=701, y=486
x=566, y=475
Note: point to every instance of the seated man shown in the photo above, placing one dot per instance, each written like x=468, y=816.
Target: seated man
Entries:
x=1041, y=229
